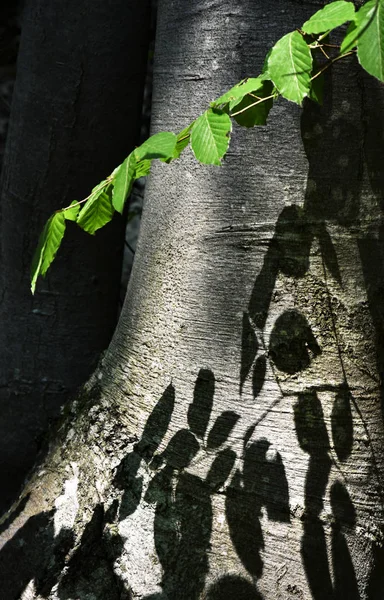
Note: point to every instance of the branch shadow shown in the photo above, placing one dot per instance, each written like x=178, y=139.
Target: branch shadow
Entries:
x=182, y=504
x=183, y=509
x=332, y=142
x=183, y=500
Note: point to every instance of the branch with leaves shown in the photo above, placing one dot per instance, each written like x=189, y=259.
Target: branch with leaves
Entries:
x=290, y=70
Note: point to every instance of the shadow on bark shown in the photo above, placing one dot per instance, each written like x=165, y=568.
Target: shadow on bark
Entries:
x=183, y=505
x=333, y=145
x=313, y=439
x=183, y=501
x=35, y=555
x=183, y=513
x=336, y=166
x=232, y=586
x=261, y=484
x=90, y=569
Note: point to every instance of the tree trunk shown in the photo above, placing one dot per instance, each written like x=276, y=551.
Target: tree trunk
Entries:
x=75, y=116
x=230, y=444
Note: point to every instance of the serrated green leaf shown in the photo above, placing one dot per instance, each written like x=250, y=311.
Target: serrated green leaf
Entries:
x=238, y=91
x=123, y=181
x=331, y=16
x=49, y=243
x=96, y=212
x=160, y=145
x=71, y=213
x=289, y=67
x=55, y=234
x=370, y=43
x=363, y=18
x=258, y=113
x=210, y=136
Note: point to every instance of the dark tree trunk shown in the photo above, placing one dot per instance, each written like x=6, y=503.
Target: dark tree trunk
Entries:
x=75, y=116
x=9, y=45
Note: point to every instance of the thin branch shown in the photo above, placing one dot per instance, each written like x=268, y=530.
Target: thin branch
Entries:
x=76, y=204
x=324, y=52
x=107, y=182
x=252, y=105
x=184, y=137
x=331, y=63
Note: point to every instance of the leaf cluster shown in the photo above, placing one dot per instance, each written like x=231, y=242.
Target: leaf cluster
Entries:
x=290, y=70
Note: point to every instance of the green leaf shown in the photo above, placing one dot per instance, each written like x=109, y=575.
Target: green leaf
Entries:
x=183, y=140
x=160, y=145
x=71, y=213
x=331, y=16
x=48, y=245
x=370, y=43
x=210, y=136
x=142, y=168
x=238, y=91
x=363, y=18
x=258, y=113
x=264, y=70
x=96, y=212
x=289, y=67
x=123, y=182
x=350, y=39
x=317, y=89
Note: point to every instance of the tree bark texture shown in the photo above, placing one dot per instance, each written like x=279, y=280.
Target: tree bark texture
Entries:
x=75, y=116
x=230, y=444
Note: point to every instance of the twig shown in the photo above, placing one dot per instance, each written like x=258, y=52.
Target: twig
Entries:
x=331, y=63
x=252, y=105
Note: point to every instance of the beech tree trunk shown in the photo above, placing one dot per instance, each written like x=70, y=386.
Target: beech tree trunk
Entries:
x=230, y=443
x=75, y=116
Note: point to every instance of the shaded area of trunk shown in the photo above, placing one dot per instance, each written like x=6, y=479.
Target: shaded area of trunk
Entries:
x=9, y=45
x=75, y=116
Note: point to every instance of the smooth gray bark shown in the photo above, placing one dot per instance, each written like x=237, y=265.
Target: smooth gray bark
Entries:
x=75, y=116
x=230, y=444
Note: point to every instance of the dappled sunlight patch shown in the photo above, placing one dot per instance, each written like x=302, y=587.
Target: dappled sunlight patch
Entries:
x=29, y=592
x=67, y=505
